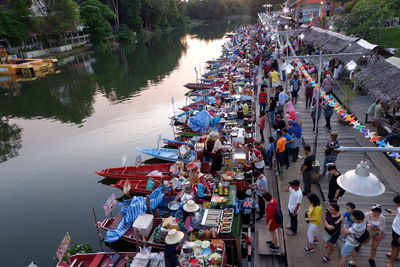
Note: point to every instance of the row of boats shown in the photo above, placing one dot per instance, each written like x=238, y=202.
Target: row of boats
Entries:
x=153, y=188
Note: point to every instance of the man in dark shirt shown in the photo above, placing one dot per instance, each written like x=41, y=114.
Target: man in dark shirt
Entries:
x=335, y=191
x=306, y=170
x=281, y=123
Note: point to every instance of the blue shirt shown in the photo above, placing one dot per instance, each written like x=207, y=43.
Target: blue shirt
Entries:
x=282, y=98
x=288, y=137
x=201, y=190
x=347, y=216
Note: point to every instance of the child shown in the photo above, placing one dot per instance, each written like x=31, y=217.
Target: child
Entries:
x=348, y=221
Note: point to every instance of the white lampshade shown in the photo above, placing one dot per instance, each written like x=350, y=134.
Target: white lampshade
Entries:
x=361, y=182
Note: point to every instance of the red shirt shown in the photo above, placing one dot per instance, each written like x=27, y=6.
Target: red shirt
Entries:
x=261, y=123
x=270, y=210
x=262, y=97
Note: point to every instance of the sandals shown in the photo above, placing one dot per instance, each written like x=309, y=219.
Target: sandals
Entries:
x=325, y=259
x=352, y=264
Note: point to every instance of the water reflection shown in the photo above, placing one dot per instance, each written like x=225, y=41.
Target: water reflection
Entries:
x=218, y=29
x=10, y=140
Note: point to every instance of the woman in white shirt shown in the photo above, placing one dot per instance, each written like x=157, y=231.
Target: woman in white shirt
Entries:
x=376, y=227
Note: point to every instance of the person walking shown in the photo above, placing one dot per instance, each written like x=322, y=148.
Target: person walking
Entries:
x=306, y=169
x=282, y=99
x=295, y=86
x=262, y=99
x=272, y=221
x=395, y=232
x=295, y=198
x=271, y=152
x=313, y=217
x=296, y=131
x=315, y=117
x=272, y=110
x=331, y=151
x=275, y=78
x=376, y=227
x=332, y=222
x=261, y=186
x=328, y=112
x=353, y=233
x=334, y=190
x=261, y=125
x=327, y=84
x=308, y=93
x=280, y=148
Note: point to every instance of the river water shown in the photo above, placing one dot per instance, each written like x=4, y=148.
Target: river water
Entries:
x=57, y=130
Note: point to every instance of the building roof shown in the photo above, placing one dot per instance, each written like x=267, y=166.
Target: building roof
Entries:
x=303, y=2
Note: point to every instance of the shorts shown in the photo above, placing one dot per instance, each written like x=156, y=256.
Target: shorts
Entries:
x=395, y=239
x=294, y=94
x=346, y=250
x=275, y=84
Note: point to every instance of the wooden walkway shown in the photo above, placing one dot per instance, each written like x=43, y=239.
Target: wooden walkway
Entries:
x=348, y=136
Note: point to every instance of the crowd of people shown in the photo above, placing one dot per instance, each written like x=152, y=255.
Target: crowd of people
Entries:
x=277, y=107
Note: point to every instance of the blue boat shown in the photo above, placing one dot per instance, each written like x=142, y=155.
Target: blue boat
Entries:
x=167, y=154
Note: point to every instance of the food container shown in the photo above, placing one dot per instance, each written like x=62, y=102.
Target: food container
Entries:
x=174, y=205
x=225, y=230
x=143, y=224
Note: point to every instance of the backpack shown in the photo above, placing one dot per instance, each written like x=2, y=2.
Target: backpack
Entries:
x=279, y=215
x=296, y=86
x=364, y=238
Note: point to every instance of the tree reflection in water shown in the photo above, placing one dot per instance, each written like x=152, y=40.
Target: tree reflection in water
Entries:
x=10, y=140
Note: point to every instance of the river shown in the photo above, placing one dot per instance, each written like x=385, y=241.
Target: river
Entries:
x=57, y=130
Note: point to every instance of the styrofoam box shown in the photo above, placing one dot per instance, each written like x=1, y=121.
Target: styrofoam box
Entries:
x=143, y=224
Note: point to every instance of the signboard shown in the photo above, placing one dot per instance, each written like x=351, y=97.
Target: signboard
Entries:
x=109, y=205
x=127, y=187
x=63, y=246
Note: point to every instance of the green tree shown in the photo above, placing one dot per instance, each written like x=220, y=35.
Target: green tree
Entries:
x=365, y=17
x=55, y=17
x=96, y=16
x=15, y=22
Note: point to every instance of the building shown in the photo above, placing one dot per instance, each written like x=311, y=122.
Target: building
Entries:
x=306, y=10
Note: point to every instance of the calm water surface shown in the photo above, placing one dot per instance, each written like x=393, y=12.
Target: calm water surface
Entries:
x=61, y=128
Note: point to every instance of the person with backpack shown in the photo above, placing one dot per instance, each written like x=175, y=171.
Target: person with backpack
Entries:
x=273, y=220
x=355, y=235
x=313, y=217
x=295, y=88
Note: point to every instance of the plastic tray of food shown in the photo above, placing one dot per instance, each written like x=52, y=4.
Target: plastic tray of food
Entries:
x=224, y=230
x=228, y=211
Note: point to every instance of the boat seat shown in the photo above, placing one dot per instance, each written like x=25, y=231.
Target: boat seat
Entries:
x=116, y=221
x=96, y=261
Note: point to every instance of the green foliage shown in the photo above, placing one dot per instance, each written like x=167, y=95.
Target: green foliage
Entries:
x=215, y=9
x=56, y=17
x=366, y=16
x=96, y=16
x=388, y=37
x=125, y=34
x=15, y=22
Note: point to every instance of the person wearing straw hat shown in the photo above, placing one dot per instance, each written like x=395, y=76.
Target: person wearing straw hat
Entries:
x=172, y=241
x=194, y=172
x=190, y=218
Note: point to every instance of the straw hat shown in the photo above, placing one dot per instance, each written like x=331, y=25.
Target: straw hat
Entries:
x=174, y=237
x=191, y=165
x=190, y=206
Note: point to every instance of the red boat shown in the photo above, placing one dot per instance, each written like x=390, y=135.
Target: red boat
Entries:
x=120, y=259
x=132, y=172
x=138, y=187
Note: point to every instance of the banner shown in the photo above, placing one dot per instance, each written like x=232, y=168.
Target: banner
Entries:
x=109, y=205
x=63, y=246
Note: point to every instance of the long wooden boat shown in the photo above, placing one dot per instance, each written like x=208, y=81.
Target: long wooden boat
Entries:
x=177, y=143
x=200, y=86
x=115, y=259
x=135, y=172
x=167, y=154
x=138, y=187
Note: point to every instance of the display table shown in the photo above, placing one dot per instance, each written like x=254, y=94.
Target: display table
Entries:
x=230, y=199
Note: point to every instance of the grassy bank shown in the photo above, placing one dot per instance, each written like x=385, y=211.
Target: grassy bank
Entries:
x=388, y=38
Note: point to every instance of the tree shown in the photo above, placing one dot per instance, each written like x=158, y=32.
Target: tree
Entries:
x=365, y=17
x=15, y=22
x=55, y=17
x=96, y=16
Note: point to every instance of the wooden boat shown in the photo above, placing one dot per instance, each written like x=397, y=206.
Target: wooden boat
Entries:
x=115, y=259
x=167, y=154
x=177, y=143
x=135, y=172
x=138, y=187
x=199, y=86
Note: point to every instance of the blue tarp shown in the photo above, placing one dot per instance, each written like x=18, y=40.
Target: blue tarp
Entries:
x=135, y=207
x=200, y=122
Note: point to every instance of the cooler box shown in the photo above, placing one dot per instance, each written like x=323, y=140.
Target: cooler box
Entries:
x=144, y=224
